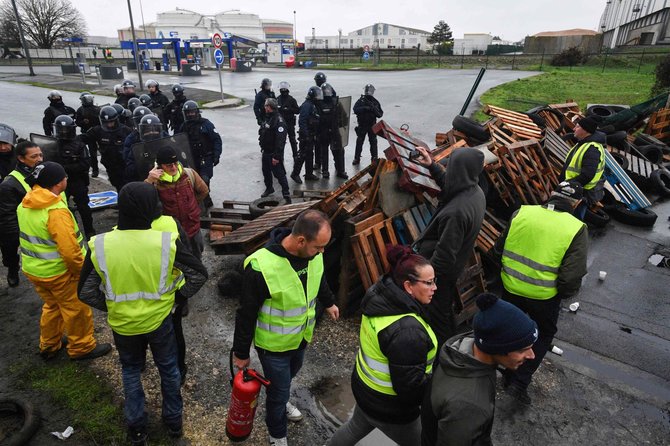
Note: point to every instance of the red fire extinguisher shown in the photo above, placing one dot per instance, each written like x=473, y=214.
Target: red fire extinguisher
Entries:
x=243, y=401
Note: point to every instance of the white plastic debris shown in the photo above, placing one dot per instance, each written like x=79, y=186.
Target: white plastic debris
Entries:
x=556, y=350
x=574, y=307
x=65, y=434
x=602, y=275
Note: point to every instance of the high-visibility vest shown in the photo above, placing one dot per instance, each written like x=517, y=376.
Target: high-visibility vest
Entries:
x=289, y=315
x=575, y=166
x=165, y=223
x=372, y=366
x=534, y=249
x=39, y=252
x=21, y=179
x=138, y=277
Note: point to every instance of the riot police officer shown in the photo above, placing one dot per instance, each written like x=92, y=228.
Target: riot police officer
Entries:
x=259, y=102
x=329, y=135
x=173, y=112
x=86, y=118
x=205, y=143
x=125, y=115
x=367, y=110
x=118, y=91
x=309, y=126
x=272, y=140
x=160, y=101
x=73, y=156
x=134, y=137
x=56, y=108
x=109, y=138
x=128, y=87
x=133, y=103
x=288, y=108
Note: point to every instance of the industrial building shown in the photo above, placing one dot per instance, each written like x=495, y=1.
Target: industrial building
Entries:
x=379, y=35
x=635, y=22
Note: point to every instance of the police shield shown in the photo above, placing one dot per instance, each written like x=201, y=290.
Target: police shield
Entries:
x=145, y=152
x=343, y=118
x=48, y=145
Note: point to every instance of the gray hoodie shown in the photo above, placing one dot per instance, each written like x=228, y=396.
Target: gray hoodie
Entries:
x=458, y=408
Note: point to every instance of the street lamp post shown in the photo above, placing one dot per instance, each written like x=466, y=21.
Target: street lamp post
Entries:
x=295, y=37
x=135, y=48
x=23, y=39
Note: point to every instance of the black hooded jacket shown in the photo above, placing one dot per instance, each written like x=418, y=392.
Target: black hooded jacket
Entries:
x=255, y=291
x=406, y=344
x=138, y=207
x=450, y=236
x=590, y=160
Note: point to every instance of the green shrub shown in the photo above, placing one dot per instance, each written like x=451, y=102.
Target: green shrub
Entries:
x=568, y=58
x=662, y=76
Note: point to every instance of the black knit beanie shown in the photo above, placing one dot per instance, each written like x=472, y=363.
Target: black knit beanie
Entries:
x=48, y=174
x=589, y=124
x=500, y=327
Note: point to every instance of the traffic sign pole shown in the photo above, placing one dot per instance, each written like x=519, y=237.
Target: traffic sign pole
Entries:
x=218, y=58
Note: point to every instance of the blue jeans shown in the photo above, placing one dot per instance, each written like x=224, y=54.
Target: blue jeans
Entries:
x=280, y=370
x=132, y=354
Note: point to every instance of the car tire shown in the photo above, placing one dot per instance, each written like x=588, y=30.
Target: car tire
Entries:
x=642, y=217
x=616, y=139
x=264, y=205
x=620, y=159
x=598, y=217
x=652, y=152
x=31, y=420
x=599, y=110
x=471, y=128
x=660, y=178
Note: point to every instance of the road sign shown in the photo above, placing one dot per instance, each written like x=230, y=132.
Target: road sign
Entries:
x=195, y=68
x=174, y=33
x=101, y=200
x=216, y=40
x=366, y=55
x=218, y=56
x=366, y=48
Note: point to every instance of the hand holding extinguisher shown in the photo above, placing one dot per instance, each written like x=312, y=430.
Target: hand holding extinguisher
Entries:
x=243, y=399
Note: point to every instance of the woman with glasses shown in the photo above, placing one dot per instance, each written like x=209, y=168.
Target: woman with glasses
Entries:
x=396, y=351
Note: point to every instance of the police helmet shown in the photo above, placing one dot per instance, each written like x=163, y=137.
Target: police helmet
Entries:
x=128, y=86
x=315, y=92
x=327, y=90
x=146, y=100
x=64, y=127
x=190, y=110
x=177, y=90
x=284, y=86
x=150, y=128
x=118, y=89
x=109, y=118
x=133, y=103
x=266, y=84
x=140, y=112
x=86, y=98
x=119, y=108
x=151, y=83
x=7, y=135
x=54, y=95
x=320, y=78
x=369, y=90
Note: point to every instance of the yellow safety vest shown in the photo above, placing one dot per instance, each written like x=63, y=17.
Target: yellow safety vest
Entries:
x=289, y=315
x=372, y=366
x=534, y=249
x=575, y=166
x=21, y=179
x=138, y=277
x=39, y=252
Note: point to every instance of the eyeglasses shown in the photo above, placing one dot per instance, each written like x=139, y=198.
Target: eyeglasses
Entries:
x=430, y=282
x=171, y=164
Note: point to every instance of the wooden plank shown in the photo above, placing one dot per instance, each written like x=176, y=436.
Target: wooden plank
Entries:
x=418, y=218
x=235, y=223
x=359, y=257
x=425, y=213
x=411, y=224
x=368, y=222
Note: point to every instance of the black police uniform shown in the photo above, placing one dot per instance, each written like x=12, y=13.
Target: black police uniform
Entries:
x=87, y=117
x=174, y=115
x=309, y=124
x=110, y=145
x=329, y=135
x=288, y=108
x=52, y=112
x=367, y=110
x=206, y=146
x=73, y=156
x=124, y=98
x=272, y=140
x=160, y=102
x=259, y=105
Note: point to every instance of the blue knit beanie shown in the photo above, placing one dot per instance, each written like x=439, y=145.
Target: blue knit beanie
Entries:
x=500, y=327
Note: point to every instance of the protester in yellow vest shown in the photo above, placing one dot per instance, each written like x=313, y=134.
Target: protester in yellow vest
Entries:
x=278, y=310
x=139, y=270
x=543, y=255
x=52, y=254
x=585, y=163
x=12, y=190
x=395, y=358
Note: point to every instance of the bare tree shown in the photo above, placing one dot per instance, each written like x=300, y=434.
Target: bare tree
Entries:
x=44, y=21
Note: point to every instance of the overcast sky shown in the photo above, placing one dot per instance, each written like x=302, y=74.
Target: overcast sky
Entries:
x=509, y=19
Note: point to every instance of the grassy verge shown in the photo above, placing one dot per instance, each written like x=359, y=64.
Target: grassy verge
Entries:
x=87, y=398
x=584, y=87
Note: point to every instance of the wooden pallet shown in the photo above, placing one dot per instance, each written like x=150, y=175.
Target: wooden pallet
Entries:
x=254, y=234
x=369, y=249
x=518, y=124
x=659, y=125
x=529, y=170
x=470, y=284
x=330, y=203
x=489, y=233
x=556, y=149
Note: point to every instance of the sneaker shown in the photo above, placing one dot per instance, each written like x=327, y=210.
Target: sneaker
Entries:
x=13, y=278
x=174, y=431
x=48, y=355
x=278, y=441
x=519, y=394
x=136, y=437
x=311, y=177
x=342, y=175
x=296, y=177
x=287, y=199
x=293, y=413
x=95, y=174
x=267, y=192
x=99, y=350
x=325, y=174
x=356, y=162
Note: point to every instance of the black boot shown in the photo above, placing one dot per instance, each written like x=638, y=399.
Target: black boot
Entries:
x=13, y=277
